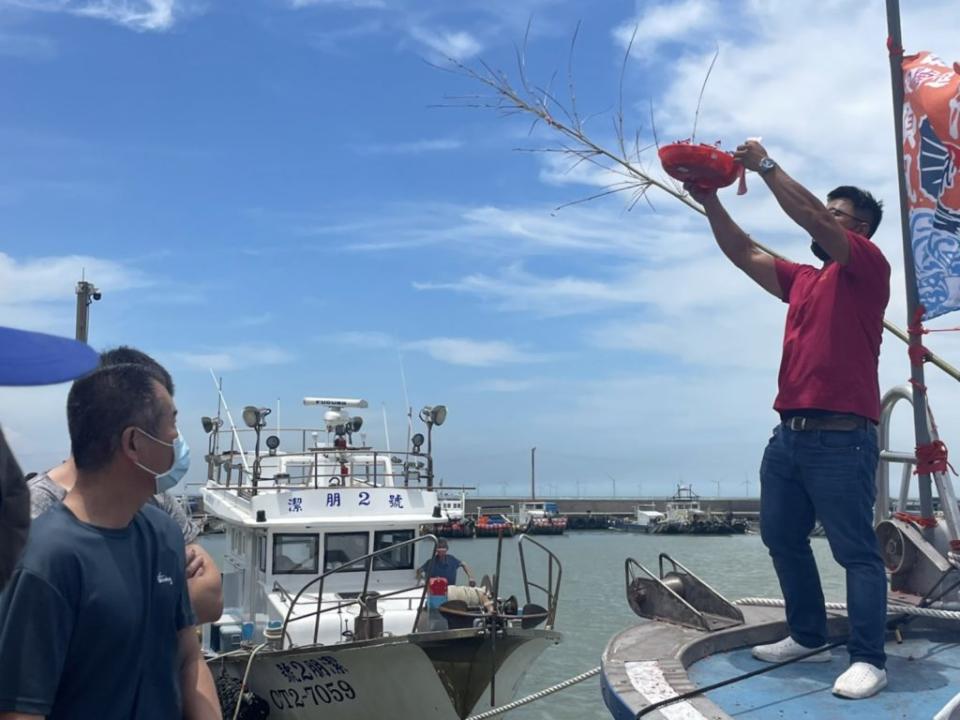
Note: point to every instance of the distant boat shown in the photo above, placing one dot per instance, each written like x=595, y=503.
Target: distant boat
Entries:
x=684, y=516
x=457, y=525
x=541, y=518
x=643, y=521
x=493, y=524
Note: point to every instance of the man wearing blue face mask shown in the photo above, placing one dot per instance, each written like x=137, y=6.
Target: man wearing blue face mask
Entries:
x=96, y=621
x=203, y=576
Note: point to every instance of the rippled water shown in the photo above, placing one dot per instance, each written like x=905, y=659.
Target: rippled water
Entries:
x=593, y=604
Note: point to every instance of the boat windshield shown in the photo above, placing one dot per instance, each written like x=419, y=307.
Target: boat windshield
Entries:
x=340, y=548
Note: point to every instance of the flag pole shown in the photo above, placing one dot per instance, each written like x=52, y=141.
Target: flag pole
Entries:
x=921, y=427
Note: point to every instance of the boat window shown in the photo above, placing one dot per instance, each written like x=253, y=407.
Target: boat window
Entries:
x=340, y=548
x=262, y=552
x=400, y=558
x=296, y=553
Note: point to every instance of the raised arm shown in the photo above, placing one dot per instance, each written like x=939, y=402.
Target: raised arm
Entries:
x=801, y=205
x=736, y=244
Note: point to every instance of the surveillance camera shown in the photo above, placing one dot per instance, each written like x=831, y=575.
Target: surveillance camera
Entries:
x=97, y=295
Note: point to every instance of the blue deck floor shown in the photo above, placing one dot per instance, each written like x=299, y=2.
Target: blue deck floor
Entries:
x=923, y=675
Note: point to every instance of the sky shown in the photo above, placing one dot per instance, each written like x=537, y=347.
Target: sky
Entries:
x=299, y=196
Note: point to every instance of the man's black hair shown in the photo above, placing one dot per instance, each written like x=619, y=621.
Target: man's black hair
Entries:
x=125, y=354
x=864, y=204
x=103, y=404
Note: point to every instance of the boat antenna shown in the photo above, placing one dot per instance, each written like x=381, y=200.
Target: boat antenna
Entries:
x=233, y=425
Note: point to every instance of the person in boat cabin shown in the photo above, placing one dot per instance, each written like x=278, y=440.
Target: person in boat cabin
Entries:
x=821, y=461
x=203, y=575
x=96, y=621
x=444, y=565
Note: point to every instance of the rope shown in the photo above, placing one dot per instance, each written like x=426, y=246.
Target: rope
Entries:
x=891, y=609
x=246, y=674
x=535, y=696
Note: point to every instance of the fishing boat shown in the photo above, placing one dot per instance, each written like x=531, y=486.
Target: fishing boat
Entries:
x=541, y=518
x=452, y=509
x=324, y=614
x=691, y=657
x=493, y=524
x=684, y=516
x=642, y=522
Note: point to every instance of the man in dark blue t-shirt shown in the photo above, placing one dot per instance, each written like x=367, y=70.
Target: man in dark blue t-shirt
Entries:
x=96, y=620
x=444, y=565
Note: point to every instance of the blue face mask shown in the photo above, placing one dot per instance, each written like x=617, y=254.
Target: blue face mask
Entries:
x=181, y=462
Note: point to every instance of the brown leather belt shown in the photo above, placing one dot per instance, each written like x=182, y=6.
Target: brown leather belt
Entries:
x=826, y=422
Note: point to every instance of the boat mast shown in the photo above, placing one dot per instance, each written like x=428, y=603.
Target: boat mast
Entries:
x=921, y=428
x=86, y=294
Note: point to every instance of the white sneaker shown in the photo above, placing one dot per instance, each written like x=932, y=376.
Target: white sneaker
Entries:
x=787, y=649
x=861, y=680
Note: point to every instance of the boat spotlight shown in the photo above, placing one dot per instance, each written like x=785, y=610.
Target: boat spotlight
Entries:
x=417, y=442
x=210, y=424
x=434, y=415
x=255, y=417
x=273, y=442
x=356, y=423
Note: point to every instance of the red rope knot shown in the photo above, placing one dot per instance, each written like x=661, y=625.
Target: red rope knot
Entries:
x=919, y=520
x=932, y=458
x=893, y=48
x=917, y=352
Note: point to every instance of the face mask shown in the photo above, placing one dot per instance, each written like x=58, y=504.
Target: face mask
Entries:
x=819, y=251
x=181, y=462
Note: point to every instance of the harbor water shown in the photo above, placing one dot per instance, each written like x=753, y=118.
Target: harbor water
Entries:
x=593, y=603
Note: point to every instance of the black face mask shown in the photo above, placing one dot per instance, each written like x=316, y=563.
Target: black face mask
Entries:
x=819, y=251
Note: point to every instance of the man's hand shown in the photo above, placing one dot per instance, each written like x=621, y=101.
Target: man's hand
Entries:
x=698, y=193
x=750, y=154
x=195, y=563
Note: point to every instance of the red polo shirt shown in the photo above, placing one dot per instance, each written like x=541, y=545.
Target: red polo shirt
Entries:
x=831, y=342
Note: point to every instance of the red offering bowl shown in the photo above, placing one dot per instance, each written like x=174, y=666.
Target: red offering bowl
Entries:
x=704, y=165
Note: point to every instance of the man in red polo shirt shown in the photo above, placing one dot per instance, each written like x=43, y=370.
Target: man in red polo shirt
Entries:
x=822, y=458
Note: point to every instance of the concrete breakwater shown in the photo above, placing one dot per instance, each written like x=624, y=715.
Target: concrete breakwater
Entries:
x=595, y=513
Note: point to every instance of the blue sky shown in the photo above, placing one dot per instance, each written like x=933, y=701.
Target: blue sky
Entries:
x=267, y=188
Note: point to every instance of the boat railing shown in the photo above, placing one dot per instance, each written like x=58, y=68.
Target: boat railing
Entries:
x=554, y=573
x=883, y=505
x=362, y=598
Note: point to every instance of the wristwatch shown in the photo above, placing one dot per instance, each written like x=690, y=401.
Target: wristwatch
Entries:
x=766, y=165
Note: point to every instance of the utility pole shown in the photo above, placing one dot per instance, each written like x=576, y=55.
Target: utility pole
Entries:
x=533, y=473
x=86, y=294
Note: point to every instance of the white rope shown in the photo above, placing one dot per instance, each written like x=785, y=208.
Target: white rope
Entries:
x=246, y=674
x=535, y=696
x=891, y=609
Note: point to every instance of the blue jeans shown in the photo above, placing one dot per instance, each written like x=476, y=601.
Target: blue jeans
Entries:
x=827, y=475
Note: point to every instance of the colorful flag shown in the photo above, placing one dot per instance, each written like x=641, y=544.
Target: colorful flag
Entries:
x=931, y=155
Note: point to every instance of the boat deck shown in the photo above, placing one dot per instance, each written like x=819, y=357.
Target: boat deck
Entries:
x=922, y=673
x=654, y=661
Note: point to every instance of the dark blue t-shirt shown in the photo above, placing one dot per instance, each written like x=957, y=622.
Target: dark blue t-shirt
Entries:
x=447, y=568
x=89, y=621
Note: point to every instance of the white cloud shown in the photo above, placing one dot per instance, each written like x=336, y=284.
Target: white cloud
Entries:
x=657, y=24
x=414, y=147
x=457, y=45
x=37, y=293
x=365, y=339
x=472, y=353
x=138, y=15
x=501, y=385
x=27, y=46
x=235, y=357
x=298, y=4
